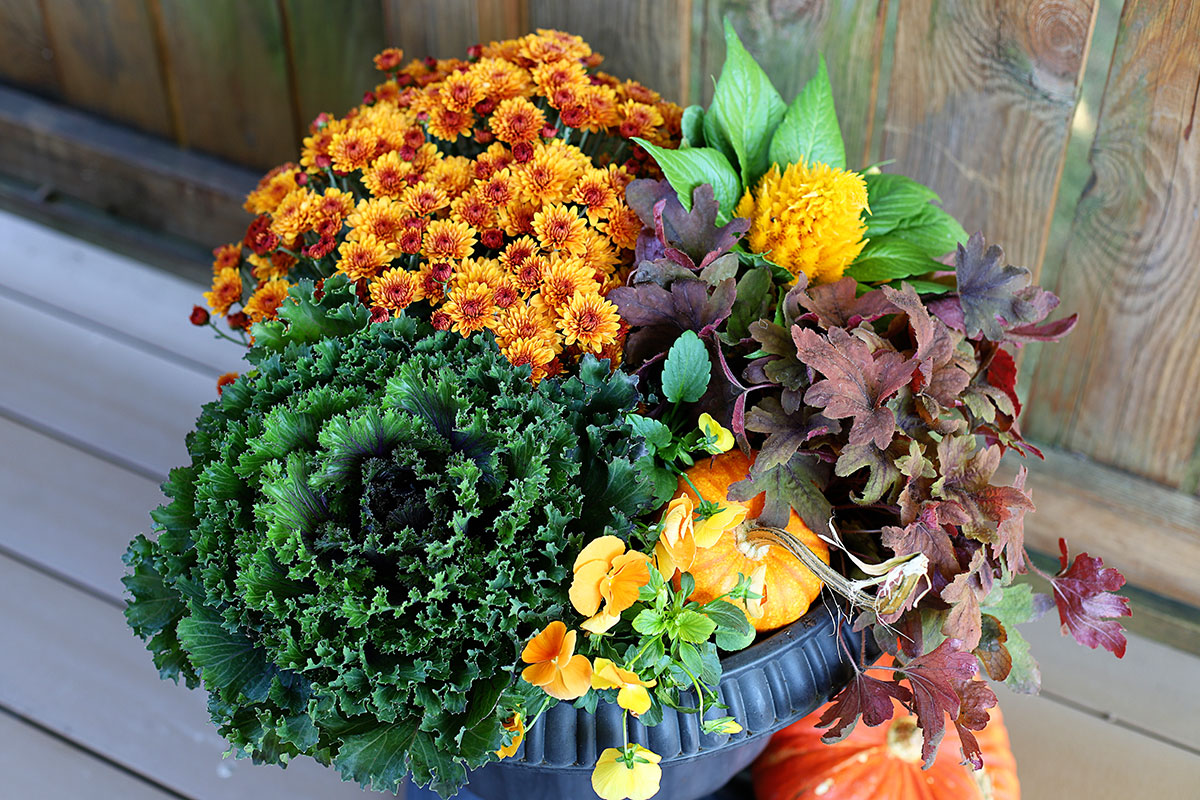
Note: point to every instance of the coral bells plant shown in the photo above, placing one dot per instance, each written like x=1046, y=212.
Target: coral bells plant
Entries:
x=558, y=393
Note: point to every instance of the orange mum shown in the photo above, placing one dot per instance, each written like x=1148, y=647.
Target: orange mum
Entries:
x=396, y=289
x=352, y=150
x=498, y=190
x=553, y=664
x=605, y=575
x=446, y=123
x=378, y=217
x=226, y=290
x=563, y=278
x=589, y=320
x=595, y=193
x=266, y=300
x=460, y=91
x=447, y=240
x=470, y=308
x=423, y=198
x=533, y=351
x=226, y=256
x=388, y=175
x=517, y=120
x=362, y=257
x=559, y=228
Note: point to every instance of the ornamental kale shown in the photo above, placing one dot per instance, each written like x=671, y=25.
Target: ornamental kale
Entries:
x=372, y=526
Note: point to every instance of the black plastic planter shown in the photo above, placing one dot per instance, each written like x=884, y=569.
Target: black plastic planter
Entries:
x=766, y=686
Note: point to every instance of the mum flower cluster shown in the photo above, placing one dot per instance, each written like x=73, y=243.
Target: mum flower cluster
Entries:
x=484, y=194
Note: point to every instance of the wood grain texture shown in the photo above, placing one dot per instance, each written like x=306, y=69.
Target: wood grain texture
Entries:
x=111, y=396
x=30, y=755
x=787, y=39
x=437, y=28
x=502, y=19
x=1149, y=532
x=332, y=45
x=26, y=55
x=70, y=662
x=94, y=273
x=1122, y=389
x=646, y=42
x=980, y=102
x=108, y=61
x=120, y=171
x=227, y=67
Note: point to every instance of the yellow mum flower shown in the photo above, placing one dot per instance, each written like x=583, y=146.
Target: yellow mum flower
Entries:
x=534, y=351
x=396, y=289
x=266, y=300
x=386, y=177
x=629, y=774
x=447, y=240
x=808, y=219
x=226, y=290
x=632, y=696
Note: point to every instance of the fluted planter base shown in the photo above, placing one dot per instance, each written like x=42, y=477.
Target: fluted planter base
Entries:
x=766, y=687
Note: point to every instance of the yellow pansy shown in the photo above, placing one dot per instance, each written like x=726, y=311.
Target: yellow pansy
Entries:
x=629, y=774
x=721, y=436
x=632, y=695
x=516, y=725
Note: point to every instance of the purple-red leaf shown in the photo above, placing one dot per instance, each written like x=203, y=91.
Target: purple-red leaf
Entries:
x=996, y=296
x=1044, y=332
x=857, y=382
x=658, y=316
x=975, y=697
x=1086, y=603
x=866, y=697
x=934, y=678
x=837, y=305
x=690, y=238
x=927, y=534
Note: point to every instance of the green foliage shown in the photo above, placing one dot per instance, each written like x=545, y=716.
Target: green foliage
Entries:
x=745, y=111
x=369, y=531
x=809, y=131
x=687, y=370
x=696, y=166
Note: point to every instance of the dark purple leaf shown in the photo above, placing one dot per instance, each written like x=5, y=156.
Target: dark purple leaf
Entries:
x=690, y=238
x=836, y=305
x=658, y=316
x=866, y=697
x=934, y=677
x=1044, y=332
x=994, y=295
x=927, y=534
x=857, y=382
x=797, y=485
x=786, y=433
x=1086, y=603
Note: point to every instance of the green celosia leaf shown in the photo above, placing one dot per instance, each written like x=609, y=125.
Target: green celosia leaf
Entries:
x=892, y=198
x=745, y=111
x=687, y=370
x=692, y=127
x=888, y=258
x=809, y=131
x=696, y=166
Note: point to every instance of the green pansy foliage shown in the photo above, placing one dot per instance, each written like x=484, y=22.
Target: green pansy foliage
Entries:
x=372, y=526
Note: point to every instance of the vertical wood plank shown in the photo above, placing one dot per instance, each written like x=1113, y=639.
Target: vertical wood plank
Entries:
x=26, y=55
x=108, y=61
x=502, y=19
x=788, y=38
x=437, y=28
x=332, y=46
x=1122, y=388
x=646, y=42
x=227, y=66
x=982, y=94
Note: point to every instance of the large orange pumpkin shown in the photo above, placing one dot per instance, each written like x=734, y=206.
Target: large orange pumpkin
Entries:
x=788, y=587
x=883, y=763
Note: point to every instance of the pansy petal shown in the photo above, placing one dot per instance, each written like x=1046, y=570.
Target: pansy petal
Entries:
x=577, y=677
x=635, y=699
x=585, y=587
x=663, y=560
x=545, y=645
x=567, y=648
x=604, y=675
x=708, y=531
x=540, y=674
x=604, y=549
x=601, y=622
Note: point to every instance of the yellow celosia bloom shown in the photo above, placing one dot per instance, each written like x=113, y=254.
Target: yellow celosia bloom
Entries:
x=629, y=774
x=721, y=436
x=807, y=219
x=632, y=696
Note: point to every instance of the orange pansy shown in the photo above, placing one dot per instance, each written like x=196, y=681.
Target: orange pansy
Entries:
x=553, y=665
x=606, y=574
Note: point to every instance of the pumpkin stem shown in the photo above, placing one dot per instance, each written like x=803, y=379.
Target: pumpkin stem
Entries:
x=768, y=535
x=904, y=740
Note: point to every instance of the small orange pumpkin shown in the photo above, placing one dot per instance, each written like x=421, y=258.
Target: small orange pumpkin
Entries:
x=788, y=587
x=883, y=763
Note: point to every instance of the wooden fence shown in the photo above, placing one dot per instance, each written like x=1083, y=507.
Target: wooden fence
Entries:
x=974, y=97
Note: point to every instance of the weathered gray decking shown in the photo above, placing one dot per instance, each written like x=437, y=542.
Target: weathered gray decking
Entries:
x=101, y=377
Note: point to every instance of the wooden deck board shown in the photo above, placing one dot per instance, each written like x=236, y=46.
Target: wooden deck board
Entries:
x=97, y=403
x=64, y=772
